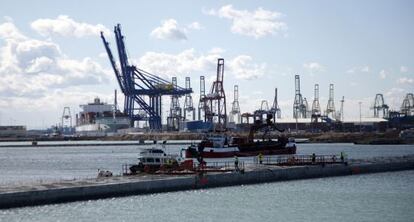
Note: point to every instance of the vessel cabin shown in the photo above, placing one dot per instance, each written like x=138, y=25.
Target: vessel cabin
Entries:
x=156, y=157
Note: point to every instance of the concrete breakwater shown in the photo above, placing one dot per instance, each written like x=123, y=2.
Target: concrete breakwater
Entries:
x=124, y=186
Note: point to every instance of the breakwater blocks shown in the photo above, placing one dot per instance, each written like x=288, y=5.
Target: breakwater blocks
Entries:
x=124, y=186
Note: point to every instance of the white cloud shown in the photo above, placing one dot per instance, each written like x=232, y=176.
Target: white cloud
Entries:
x=394, y=98
x=103, y=55
x=169, y=30
x=31, y=67
x=351, y=70
x=44, y=111
x=9, y=31
x=403, y=69
x=217, y=51
x=38, y=79
x=383, y=74
x=8, y=18
x=168, y=65
x=242, y=68
x=405, y=80
x=39, y=64
x=208, y=11
x=365, y=69
x=359, y=69
x=195, y=26
x=65, y=26
x=188, y=62
x=313, y=67
x=258, y=23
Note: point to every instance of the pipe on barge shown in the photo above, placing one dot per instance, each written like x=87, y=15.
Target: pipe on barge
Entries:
x=118, y=189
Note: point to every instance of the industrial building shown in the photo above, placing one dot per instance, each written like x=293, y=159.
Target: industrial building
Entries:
x=13, y=131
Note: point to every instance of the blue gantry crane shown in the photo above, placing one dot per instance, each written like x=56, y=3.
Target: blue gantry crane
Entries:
x=142, y=90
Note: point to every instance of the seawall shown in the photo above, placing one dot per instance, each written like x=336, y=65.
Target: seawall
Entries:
x=131, y=186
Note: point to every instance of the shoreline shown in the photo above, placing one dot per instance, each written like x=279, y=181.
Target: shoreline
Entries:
x=185, y=138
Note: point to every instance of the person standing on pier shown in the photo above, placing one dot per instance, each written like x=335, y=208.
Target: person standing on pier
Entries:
x=236, y=163
x=260, y=158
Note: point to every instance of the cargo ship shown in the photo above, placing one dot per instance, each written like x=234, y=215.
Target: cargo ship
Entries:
x=221, y=146
x=99, y=119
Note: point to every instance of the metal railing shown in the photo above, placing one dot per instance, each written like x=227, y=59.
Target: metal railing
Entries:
x=195, y=167
x=223, y=166
x=227, y=165
x=287, y=160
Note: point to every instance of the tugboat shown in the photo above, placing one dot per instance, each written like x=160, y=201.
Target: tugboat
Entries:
x=222, y=146
x=152, y=159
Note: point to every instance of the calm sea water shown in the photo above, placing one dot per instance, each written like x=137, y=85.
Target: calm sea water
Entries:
x=373, y=197
x=35, y=164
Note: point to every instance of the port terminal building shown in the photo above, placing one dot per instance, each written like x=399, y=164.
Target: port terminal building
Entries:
x=13, y=131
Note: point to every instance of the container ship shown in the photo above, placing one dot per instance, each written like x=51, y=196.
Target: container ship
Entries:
x=99, y=119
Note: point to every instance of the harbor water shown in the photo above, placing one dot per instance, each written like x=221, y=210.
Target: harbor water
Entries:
x=373, y=197
x=28, y=165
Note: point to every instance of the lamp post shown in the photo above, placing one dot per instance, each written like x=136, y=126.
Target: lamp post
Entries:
x=360, y=121
x=296, y=123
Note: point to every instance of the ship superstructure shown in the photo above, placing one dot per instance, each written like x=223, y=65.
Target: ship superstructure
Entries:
x=99, y=118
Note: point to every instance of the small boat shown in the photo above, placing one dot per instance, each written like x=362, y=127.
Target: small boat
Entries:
x=222, y=146
x=152, y=159
x=104, y=173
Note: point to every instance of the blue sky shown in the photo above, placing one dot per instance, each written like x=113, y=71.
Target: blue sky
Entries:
x=57, y=60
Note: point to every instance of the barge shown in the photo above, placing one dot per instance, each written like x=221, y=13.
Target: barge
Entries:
x=222, y=146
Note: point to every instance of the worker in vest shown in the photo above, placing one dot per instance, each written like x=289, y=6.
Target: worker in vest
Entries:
x=236, y=163
x=260, y=158
x=345, y=159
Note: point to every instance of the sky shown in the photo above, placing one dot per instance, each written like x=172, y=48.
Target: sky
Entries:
x=51, y=55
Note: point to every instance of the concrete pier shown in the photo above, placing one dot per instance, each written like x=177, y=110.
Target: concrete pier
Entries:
x=133, y=185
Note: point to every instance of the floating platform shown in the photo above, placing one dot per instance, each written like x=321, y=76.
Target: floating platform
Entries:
x=77, y=190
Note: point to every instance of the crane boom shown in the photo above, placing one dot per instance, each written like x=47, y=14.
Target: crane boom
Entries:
x=113, y=64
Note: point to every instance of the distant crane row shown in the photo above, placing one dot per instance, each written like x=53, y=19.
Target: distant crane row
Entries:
x=143, y=92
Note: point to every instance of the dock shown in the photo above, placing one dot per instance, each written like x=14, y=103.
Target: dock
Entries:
x=254, y=173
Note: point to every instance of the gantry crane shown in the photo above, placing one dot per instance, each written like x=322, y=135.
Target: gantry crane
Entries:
x=235, y=115
x=277, y=113
x=142, y=90
x=215, y=102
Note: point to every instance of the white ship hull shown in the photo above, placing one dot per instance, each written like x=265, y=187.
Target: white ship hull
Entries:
x=96, y=129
